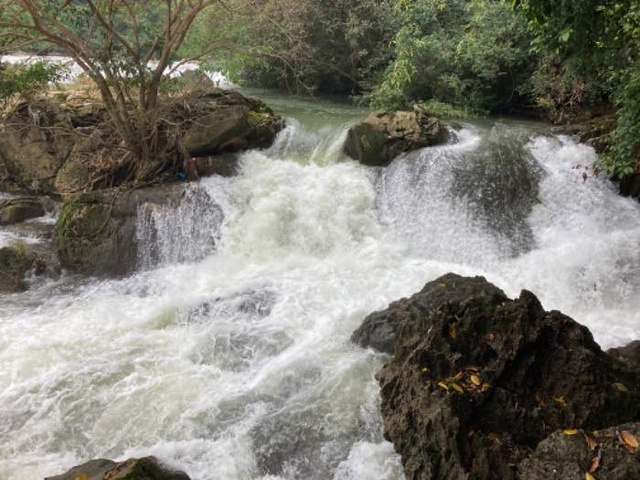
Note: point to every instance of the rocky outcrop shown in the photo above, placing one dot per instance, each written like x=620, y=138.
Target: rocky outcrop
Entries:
x=67, y=145
x=36, y=139
x=228, y=122
x=145, y=468
x=384, y=135
x=478, y=380
x=96, y=232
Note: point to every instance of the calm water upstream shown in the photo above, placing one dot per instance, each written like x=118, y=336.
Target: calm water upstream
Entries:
x=231, y=357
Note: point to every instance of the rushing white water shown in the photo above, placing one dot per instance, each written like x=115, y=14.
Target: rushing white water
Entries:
x=228, y=354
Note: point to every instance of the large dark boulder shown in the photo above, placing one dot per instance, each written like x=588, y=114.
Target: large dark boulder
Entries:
x=384, y=135
x=96, y=232
x=145, y=468
x=477, y=380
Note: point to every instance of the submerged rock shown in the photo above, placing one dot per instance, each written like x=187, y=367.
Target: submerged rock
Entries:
x=145, y=468
x=384, y=135
x=478, y=380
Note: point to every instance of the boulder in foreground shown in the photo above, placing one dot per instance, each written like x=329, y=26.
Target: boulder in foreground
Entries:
x=384, y=135
x=146, y=468
x=479, y=380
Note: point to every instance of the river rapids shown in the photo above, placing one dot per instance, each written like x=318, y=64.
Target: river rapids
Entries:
x=227, y=354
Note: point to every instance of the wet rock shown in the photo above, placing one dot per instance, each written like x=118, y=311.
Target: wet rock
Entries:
x=384, y=135
x=478, y=380
x=228, y=122
x=18, y=210
x=96, y=232
x=146, y=468
x=15, y=262
x=378, y=329
x=569, y=457
x=630, y=186
x=629, y=354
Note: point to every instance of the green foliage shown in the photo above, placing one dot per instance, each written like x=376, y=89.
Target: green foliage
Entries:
x=470, y=54
x=27, y=79
x=308, y=45
x=445, y=110
x=597, y=45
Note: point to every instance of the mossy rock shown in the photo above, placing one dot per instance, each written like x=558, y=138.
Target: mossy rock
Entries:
x=83, y=225
x=19, y=210
x=367, y=145
x=15, y=262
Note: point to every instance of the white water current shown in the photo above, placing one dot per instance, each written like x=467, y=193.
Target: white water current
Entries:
x=228, y=356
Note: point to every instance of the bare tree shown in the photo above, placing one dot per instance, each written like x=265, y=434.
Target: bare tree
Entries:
x=124, y=46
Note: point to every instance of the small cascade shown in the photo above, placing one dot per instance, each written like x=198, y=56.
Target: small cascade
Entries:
x=183, y=233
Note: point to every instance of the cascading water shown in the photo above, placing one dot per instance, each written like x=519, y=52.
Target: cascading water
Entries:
x=228, y=354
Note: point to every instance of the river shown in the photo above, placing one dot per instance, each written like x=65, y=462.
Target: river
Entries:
x=228, y=355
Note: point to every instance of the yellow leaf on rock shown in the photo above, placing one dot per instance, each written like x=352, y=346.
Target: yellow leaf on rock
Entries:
x=442, y=285
x=443, y=386
x=560, y=401
x=588, y=476
x=627, y=437
x=476, y=380
x=81, y=476
x=453, y=330
x=457, y=388
x=570, y=431
x=621, y=387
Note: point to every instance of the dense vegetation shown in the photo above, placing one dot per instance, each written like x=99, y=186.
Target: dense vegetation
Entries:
x=566, y=59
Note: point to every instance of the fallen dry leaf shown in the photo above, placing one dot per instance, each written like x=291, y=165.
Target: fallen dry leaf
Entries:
x=594, y=464
x=560, y=401
x=457, y=388
x=590, y=439
x=588, y=476
x=629, y=439
x=443, y=386
x=570, y=431
x=476, y=380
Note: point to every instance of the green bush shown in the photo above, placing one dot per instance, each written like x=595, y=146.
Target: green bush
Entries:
x=27, y=79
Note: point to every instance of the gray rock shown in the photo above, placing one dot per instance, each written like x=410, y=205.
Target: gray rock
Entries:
x=384, y=135
x=18, y=210
x=629, y=354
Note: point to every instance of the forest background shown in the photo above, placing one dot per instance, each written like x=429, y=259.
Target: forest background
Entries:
x=566, y=60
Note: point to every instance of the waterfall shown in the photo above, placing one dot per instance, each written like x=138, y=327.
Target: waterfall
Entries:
x=228, y=354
